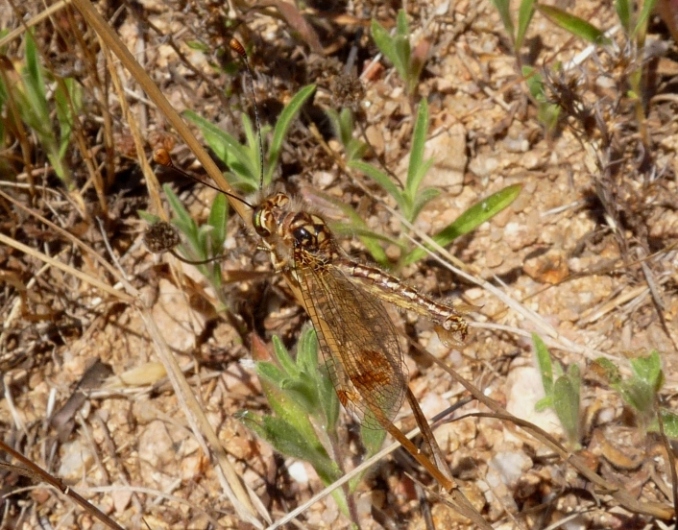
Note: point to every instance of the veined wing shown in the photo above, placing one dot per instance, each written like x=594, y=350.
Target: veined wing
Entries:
x=381, y=284
x=357, y=338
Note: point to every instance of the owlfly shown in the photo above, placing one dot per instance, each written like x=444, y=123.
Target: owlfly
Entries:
x=343, y=299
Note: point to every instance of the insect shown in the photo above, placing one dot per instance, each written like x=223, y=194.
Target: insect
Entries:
x=359, y=341
x=343, y=299
x=360, y=344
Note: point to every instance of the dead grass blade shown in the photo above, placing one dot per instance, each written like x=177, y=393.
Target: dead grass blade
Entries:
x=113, y=42
x=35, y=473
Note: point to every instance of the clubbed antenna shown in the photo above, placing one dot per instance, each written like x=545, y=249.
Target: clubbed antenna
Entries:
x=238, y=48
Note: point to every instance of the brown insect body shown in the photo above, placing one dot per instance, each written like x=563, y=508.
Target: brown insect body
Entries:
x=342, y=298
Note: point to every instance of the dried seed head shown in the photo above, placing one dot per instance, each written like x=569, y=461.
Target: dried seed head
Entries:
x=161, y=237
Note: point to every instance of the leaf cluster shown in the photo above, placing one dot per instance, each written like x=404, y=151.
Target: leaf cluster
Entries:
x=397, y=49
x=245, y=160
x=32, y=99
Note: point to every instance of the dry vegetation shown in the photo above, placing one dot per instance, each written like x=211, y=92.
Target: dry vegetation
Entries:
x=586, y=257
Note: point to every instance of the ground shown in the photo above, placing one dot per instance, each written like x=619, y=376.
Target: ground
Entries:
x=585, y=257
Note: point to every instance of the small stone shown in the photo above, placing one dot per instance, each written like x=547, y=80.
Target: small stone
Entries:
x=76, y=458
x=548, y=268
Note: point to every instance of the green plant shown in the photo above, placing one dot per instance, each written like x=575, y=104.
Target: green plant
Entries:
x=548, y=112
x=640, y=391
x=202, y=243
x=398, y=50
x=244, y=160
x=343, y=126
x=304, y=411
x=412, y=199
x=28, y=101
x=562, y=391
x=515, y=33
x=634, y=23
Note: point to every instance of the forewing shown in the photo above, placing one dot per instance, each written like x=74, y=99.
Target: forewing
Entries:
x=357, y=338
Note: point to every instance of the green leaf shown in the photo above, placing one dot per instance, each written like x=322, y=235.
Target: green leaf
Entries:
x=573, y=24
x=566, y=402
x=271, y=373
x=470, y=219
x=286, y=397
x=416, y=167
x=640, y=390
x=670, y=424
x=383, y=41
x=253, y=149
x=285, y=119
x=535, y=83
x=393, y=48
x=380, y=178
x=217, y=220
x=287, y=440
x=525, y=14
x=198, y=46
x=329, y=400
x=484, y=210
x=649, y=370
x=623, y=8
x=307, y=351
x=643, y=17
x=284, y=359
x=66, y=94
x=182, y=219
x=639, y=395
x=403, y=49
x=609, y=371
x=504, y=9
x=402, y=27
x=34, y=81
x=346, y=126
x=422, y=199
x=227, y=148
x=543, y=357
x=150, y=218
x=544, y=403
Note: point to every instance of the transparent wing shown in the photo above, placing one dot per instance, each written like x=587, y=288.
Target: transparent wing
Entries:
x=357, y=338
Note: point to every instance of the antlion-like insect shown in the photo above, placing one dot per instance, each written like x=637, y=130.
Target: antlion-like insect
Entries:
x=343, y=299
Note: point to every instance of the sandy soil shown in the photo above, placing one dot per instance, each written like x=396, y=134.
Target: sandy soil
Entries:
x=585, y=257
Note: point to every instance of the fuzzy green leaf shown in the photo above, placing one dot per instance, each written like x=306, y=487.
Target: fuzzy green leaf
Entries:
x=609, y=371
x=574, y=25
x=649, y=370
x=566, y=392
x=525, y=14
x=543, y=357
x=380, y=178
x=422, y=199
x=285, y=360
x=503, y=7
x=416, y=169
x=288, y=440
x=287, y=116
x=670, y=424
x=470, y=219
x=217, y=220
x=243, y=164
x=372, y=439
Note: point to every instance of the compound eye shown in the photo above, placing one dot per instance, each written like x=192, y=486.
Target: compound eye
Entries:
x=259, y=223
x=303, y=237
